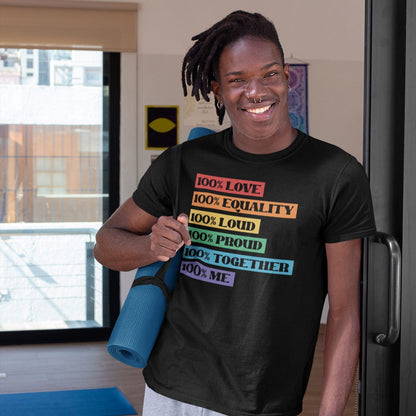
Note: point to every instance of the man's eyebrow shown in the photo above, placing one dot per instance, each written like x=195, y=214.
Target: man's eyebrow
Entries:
x=267, y=66
x=272, y=64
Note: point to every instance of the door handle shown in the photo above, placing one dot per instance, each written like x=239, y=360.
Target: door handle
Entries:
x=395, y=282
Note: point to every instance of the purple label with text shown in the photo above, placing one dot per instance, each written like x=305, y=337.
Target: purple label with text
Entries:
x=199, y=271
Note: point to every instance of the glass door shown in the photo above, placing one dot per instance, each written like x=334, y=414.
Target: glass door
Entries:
x=54, y=189
x=389, y=315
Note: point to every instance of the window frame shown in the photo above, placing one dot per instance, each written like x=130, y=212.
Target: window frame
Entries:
x=111, y=279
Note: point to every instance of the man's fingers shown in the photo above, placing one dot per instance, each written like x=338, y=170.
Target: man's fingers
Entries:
x=183, y=219
x=169, y=235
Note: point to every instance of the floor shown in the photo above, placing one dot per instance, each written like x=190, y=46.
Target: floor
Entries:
x=27, y=368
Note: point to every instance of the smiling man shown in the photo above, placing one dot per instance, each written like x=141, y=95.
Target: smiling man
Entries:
x=252, y=84
x=276, y=219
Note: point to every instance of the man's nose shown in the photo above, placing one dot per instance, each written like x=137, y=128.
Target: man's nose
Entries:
x=256, y=89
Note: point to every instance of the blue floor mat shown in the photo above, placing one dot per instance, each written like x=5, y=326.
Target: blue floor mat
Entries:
x=93, y=402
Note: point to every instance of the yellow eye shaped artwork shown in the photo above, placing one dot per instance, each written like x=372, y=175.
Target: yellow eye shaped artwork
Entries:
x=161, y=126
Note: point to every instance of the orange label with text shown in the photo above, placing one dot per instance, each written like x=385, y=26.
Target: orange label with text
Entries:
x=244, y=205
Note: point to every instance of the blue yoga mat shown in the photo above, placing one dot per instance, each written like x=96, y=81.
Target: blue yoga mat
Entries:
x=143, y=311
x=94, y=402
x=141, y=317
x=198, y=132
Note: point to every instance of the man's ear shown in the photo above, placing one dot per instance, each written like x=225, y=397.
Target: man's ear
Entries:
x=286, y=70
x=215, y=86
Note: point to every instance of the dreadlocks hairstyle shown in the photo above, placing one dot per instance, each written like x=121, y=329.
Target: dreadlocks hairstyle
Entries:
x=200, y=64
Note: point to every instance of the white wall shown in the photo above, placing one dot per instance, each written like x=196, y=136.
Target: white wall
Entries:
x=328, y=34
x=318, y=29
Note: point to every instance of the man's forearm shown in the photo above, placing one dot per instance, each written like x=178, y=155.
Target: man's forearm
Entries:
x=122, y=250
x=341, y=352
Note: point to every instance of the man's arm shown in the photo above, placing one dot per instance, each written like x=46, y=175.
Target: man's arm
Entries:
x=132, y=238
x=342, y=339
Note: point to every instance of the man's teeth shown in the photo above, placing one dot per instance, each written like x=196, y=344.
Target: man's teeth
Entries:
x=258, y=110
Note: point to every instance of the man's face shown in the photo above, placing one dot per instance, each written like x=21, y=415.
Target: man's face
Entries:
x=252, y=83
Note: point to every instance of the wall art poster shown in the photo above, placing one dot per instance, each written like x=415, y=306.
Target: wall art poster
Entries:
x=298, y=97
x=161, y=126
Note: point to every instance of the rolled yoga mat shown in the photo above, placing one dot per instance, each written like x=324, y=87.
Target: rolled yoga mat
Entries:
x=141, y=316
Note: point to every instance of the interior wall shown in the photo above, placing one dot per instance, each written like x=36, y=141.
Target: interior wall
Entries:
x=327, y=34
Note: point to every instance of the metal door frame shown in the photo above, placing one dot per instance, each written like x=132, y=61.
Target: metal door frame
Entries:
x=388, y=373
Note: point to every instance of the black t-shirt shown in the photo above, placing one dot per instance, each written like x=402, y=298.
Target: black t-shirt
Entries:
x=241, y=327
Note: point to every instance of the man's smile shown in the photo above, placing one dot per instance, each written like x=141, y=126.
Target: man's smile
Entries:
x=260, y=110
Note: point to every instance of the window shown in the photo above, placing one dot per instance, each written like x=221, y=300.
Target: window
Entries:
x=50, y=174
x=63, y=75
x=92, y=76
x=55, y=192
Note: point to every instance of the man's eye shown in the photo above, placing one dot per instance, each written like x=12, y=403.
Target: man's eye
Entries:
x=237, y=80
x=272, y=74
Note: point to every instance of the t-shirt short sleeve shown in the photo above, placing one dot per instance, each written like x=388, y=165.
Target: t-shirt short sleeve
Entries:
x=154, y=193
x=350, y=213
